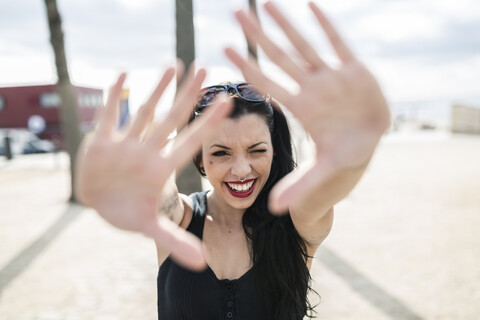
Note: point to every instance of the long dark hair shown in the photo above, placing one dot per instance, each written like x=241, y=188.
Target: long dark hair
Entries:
x=279, y=254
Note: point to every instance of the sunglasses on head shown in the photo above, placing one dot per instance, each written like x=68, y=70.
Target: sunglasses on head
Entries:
x=245, y=91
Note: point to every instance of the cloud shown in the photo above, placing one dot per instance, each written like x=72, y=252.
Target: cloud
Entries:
x=433, y=39
x=436, y=30
x=23, y=26
x=397, y=38
x=112, y=33
x=103, y=32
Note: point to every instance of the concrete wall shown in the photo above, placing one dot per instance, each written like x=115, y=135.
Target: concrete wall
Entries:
x=465, y=119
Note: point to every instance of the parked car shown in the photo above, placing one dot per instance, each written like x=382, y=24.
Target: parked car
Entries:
x=24, y=142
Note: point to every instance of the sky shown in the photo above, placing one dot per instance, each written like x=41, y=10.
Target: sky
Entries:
x=419, y=50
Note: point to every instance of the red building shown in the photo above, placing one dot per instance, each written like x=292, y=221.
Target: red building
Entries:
x=19, y=104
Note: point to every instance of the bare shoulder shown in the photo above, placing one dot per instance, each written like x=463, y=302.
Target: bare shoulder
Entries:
x=186, y=203
x=187, y=210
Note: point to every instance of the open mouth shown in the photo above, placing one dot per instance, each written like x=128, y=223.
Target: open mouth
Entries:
x=241, y=189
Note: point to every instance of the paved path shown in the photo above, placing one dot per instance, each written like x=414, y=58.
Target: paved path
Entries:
x=405, y=243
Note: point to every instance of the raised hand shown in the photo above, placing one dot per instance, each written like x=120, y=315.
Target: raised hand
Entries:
x=342, y=108
x=121, y=175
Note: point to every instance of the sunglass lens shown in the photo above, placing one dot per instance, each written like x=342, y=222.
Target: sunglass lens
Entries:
x=208, y=95
x=248, y=92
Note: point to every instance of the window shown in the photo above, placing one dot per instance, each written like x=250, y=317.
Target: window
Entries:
x=2, y=103
x=90, y=100
x=49, y=100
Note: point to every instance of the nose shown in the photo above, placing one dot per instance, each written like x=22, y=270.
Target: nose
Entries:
x=241, y=167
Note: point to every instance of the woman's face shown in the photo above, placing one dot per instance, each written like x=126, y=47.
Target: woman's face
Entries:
x=240, y=149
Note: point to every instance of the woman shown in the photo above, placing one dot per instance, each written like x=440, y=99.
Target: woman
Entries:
x=252, y=259
x=261, y=257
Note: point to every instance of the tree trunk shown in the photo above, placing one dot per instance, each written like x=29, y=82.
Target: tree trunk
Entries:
x=252, y=47
x=68, y=109
x=188, y=181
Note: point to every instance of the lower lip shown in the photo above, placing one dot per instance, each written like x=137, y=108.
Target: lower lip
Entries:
x=241, y=194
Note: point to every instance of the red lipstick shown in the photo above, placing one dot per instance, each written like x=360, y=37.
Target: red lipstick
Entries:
x=241, y=194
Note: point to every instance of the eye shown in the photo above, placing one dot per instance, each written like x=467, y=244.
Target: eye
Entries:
x=219, y=154
x=259, y=151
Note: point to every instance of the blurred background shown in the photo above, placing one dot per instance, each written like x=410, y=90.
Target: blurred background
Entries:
x=405, y=241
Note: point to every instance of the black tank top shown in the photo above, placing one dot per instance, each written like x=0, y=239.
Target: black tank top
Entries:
x=186, y=295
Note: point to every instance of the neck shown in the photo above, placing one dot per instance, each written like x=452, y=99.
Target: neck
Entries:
x=222, y=213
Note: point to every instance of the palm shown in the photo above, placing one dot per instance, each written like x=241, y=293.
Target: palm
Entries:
x=342, y=117
x=123, y=178
x=343, y=109
x=121, y=184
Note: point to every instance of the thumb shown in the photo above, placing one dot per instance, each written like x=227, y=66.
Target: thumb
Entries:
x=186, y=249
x=294, y=187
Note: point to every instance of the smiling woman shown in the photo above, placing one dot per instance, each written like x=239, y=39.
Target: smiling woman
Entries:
x=243, y=159
x=242, y=250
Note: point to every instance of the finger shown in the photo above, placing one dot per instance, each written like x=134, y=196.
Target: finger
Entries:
x=180, y=69
x=187, y=94
x=255, y=34
x=98, y=117
x=340, y=47
x=181, y=109
x=186, y=249
x=253, y=74
x=109, y=115
x=298, y=41
x=146, y=112
x=189, y=140
x=295, y=186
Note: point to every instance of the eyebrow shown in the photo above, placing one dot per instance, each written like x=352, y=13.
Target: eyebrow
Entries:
x=251, y=147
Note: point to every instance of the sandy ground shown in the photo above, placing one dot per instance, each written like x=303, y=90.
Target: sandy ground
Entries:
x=405, y=243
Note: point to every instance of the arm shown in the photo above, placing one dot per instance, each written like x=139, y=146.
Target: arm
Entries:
x=313, y=217
x=175, y=207
x=317, y=187
x=123, y=175
x=342, y=108
x=171, y=204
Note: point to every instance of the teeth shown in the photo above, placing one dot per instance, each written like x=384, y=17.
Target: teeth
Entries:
x=241, y=187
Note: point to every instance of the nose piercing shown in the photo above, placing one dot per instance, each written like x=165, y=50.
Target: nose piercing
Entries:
x=242, y=180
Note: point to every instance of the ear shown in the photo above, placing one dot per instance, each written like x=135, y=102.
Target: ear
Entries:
x=202, y=168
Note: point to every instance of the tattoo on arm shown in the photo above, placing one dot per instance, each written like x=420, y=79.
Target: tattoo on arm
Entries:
x=169, y=205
